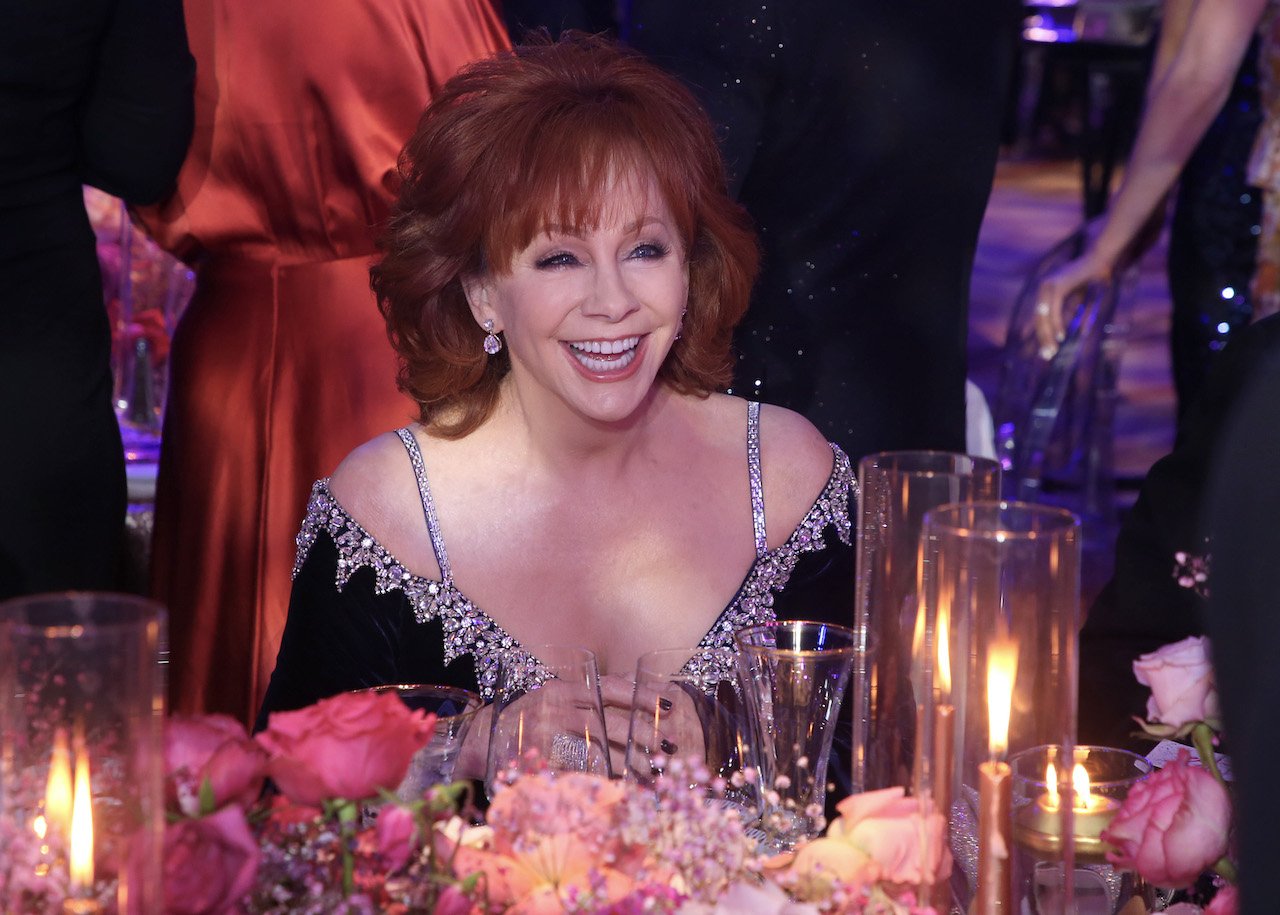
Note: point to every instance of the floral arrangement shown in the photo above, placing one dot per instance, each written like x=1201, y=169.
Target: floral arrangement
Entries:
x=552, y=843
x=1176, y=824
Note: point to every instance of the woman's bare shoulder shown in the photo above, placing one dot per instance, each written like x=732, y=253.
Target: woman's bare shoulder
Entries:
x=375, y=484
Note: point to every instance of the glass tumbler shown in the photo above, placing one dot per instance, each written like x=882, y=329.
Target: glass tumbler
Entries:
x=548, y=714
x=687, y=706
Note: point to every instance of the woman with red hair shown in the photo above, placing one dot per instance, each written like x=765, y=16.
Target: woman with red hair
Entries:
x=560, y=278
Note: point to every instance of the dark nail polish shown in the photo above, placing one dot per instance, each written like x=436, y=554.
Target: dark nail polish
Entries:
x=664, y=704
x=668, y=747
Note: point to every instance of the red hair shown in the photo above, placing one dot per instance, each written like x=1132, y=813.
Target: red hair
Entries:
x=530, y=138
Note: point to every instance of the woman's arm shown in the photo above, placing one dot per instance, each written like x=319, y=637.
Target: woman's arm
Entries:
x=137, y=118
x=1184, y=103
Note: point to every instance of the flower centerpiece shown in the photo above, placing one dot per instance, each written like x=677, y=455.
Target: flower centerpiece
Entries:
x=303, y=818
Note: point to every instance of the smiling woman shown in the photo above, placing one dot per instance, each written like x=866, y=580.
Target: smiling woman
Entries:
x=561, y=277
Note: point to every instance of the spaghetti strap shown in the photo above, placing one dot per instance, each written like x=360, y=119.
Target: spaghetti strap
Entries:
x=757, y=479
x=428, y=504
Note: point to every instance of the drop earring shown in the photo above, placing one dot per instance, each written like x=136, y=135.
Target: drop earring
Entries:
x=492, y=344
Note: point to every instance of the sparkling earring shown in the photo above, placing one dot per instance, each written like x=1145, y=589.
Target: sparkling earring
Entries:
x=492, y=345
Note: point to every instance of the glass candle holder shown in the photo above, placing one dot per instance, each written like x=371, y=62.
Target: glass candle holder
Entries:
x=1097, y=783
x=898, y=487
x=1001, y=597
x=794, y=674
x=81, y=753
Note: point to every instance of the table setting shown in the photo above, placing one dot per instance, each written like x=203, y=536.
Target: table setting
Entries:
x=958, y=671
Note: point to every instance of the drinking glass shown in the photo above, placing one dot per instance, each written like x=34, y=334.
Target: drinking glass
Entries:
x=455, y=709
x=81, y=753
x=548, y=713
x=687, y=706
x=793, y=675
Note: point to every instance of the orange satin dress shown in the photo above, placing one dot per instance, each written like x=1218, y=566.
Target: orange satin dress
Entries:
x=280, y=365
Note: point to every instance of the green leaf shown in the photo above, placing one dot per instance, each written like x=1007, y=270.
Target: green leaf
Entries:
x=207, y=799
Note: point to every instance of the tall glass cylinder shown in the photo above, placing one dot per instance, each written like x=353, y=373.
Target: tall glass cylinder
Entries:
x=1001, y=592
x=81, y=753
x=898, y=487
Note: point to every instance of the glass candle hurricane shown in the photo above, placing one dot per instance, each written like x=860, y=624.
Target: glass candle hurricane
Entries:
x=1001, y=591
x=898, y=488
x=81, y=753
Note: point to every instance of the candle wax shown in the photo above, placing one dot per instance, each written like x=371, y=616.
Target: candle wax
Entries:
x=1039, y=825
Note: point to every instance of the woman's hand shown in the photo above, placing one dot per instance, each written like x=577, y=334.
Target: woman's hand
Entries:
x=1060, y=287
x=667, y=719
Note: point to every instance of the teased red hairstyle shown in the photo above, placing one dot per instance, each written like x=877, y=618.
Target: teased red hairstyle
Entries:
x=530, y=138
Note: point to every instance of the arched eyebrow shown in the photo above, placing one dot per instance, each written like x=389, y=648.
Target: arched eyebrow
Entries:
x=577, y=232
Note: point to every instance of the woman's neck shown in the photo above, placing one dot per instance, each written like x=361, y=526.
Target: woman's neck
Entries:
x=563, y=441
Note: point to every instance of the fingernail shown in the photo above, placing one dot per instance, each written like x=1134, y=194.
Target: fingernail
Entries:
x=1060, y=337
x=664, y=704
x=1046, y=352
x=667, y=746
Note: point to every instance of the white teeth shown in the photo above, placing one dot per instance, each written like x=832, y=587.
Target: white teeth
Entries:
x=605, y=365
x=607, y=347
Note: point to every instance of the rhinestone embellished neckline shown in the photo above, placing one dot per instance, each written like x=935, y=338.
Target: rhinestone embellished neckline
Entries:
x=468, y=630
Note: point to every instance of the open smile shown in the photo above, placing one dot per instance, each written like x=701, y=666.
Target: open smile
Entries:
x=605, y=357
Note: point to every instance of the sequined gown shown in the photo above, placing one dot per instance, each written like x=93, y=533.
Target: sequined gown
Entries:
x=281, y=365
x=358, y=618
x=862, y=138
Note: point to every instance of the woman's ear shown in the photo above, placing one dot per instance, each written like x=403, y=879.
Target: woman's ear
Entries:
x=478, y=291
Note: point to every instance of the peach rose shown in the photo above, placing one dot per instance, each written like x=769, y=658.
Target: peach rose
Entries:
x=909, y=846
x=215, y=749
x=1173, y=825
x=209, y=863
x=348, y=746
x=1182, y=686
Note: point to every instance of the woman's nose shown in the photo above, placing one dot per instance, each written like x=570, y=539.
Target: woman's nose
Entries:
x=611, y=295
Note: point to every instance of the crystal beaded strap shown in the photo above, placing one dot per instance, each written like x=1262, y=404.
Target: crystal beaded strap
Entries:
x=757, y=482
x=428, y=504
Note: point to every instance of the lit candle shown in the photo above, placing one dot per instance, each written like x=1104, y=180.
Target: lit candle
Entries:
x=1039, y=825
x=56, y=821
x=80, y=858
x=995, y=787
x=943, y=740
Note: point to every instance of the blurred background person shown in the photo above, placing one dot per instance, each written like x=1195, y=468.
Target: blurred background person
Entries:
x=862, y=138
x=91, y=92
x=1200, y=54
x=280, y=365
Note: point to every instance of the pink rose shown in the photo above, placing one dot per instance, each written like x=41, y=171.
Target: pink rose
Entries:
x=1173, y=825
x=395, y=835
x=453, y=902
x=909, y=845
x=1225, y=902
x=1181, y=680
x=215, y=748
x=348, y=746
x=209, y=863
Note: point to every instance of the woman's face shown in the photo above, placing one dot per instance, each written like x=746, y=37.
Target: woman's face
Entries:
x=588, y=315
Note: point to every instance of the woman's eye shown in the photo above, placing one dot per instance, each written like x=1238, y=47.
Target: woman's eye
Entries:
x=559, y=259
x=650, y=250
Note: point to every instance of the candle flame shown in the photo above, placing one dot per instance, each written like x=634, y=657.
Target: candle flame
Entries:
x=1080, y=781
x=1002, y=666
x=80, y=860
x=1051, y=786
x=57, y=792
x=944, y=648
